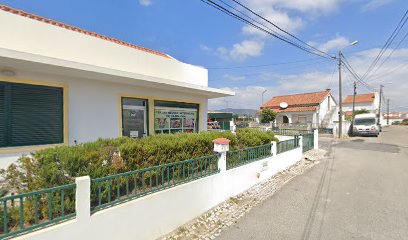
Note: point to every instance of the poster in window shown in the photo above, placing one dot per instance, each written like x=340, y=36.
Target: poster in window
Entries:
x=175, y=120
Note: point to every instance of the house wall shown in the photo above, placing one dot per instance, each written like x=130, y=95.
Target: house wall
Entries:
x=325, y=106
x=26, y=35
x=94, y=108
x=360, y=106
x=296, y=118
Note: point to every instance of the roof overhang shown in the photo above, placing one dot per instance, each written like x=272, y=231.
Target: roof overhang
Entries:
x=32, y=62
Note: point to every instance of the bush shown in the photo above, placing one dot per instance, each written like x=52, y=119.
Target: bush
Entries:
x=60, y=165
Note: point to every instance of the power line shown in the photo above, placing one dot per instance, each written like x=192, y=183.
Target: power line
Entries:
x=263, y=72
x=228, y=12
x=355, y=75
x=389, y=55
x=273, y=24
x=387, y=44
x=261, y=65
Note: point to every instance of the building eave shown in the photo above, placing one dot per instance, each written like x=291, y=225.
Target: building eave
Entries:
x=15, y=60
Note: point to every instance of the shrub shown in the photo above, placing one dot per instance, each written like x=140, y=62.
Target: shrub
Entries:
x=60, y=165
x=267, y=115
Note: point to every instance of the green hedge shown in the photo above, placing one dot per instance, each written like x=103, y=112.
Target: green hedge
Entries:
x=60, y=165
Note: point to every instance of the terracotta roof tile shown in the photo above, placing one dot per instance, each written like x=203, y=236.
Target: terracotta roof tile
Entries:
x=360, y=98
x=76, y=29
x=295, y=109
x=297, y=102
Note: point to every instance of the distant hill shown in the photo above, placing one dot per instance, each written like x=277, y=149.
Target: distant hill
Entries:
x=237, y=111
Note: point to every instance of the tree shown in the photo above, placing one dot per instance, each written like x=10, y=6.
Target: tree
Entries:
x=362, y=111
x=267, y=115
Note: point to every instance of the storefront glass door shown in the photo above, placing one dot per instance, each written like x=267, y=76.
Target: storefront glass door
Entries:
x=134, y=117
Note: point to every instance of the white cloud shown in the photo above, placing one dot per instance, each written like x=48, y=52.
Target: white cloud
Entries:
x=231, y=77
x=332, y=44
x=145, y=2
x=289, y=15
x=392, y=75
x=239, y=51
x=374, y=4
x=247, y=48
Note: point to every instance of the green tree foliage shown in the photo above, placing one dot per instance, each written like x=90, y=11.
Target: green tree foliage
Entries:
x=362, y=111
x=267, y=115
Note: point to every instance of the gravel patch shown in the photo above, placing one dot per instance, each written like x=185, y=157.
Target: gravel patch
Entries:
x=209, y=225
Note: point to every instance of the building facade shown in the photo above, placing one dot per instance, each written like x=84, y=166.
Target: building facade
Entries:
x=368, y=101
x=315, y=109
x=63, y=85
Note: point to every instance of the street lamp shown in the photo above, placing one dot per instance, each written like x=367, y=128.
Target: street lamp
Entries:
x=340, y=91
x=263, y=95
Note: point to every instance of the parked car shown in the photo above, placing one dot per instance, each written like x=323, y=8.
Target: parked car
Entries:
x=366, y=125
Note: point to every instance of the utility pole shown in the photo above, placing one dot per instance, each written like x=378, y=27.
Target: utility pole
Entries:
x=379, y=107
x=340, y=92
x=263, y=96
x=340, y=100
x=388, y=111
x=354, y=105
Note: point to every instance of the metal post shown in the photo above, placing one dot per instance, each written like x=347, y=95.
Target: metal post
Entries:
x=388, y=112
x=263, y=96
x=340, y=100
x=354, y=104
x=379, y=108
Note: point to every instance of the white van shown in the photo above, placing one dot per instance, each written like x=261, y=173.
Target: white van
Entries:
x=366, y=125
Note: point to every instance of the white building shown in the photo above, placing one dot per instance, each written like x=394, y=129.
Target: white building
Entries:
x=368, y=101
x=394, y=118
x=316, y=108
x=63, y=85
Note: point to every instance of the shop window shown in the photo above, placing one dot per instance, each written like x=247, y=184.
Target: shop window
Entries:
x=174, y=117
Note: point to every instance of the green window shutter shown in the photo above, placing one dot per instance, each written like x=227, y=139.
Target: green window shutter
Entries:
x=36, y=115
x=2, y=115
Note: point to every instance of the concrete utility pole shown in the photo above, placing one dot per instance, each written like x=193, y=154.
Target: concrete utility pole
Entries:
x=388, y=111
x=340, y=93
x=354, y=105
x=340, y=100
x=379, y=108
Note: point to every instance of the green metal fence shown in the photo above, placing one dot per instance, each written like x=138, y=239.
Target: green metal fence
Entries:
x=308, y=142
x=291, y=132
x=33, y=210
x=244, y=156
x=111, y=190
x=287, y=145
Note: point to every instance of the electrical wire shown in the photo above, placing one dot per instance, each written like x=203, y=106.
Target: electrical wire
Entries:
x=273, y=24
x=228, y=12
x=387, y=44
x=261, y=65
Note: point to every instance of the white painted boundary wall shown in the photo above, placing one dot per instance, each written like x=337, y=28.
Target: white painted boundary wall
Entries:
x=159, y=213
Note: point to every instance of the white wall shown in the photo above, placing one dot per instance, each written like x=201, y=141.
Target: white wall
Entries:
x=31, y=36
x=94, y=106
x=309, y=117
x=325, y=106
x=157, y=214
x=360, y=106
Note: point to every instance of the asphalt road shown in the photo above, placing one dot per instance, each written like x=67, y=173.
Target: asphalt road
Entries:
x=359, y=192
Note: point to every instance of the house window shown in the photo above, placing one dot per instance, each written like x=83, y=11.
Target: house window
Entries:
x=134, y=117
x=175, y=117
x=30, y=115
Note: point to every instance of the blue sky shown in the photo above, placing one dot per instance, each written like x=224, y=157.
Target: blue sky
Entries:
x=195, y=33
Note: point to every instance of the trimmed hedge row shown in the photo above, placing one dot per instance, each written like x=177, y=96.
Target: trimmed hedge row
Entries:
x=60, y=165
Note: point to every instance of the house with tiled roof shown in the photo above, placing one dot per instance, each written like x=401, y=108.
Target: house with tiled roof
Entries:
x=367, y=101
x=60, y=84
x=315, y=108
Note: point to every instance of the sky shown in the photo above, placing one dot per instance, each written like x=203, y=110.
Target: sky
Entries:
x=243, y=59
